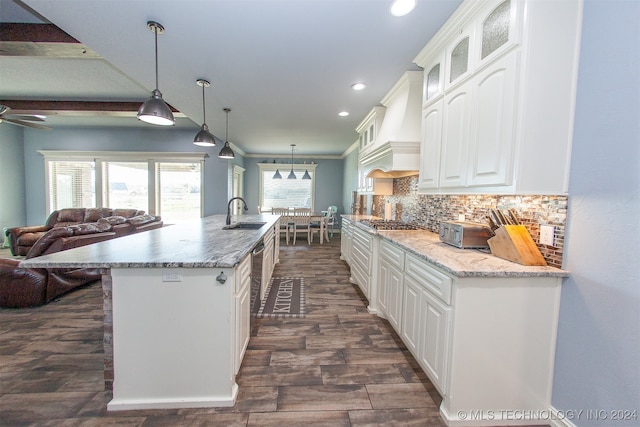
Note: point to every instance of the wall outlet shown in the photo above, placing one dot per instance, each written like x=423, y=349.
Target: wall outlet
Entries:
x=547, y=235
x=171, y=276
x=461, y=217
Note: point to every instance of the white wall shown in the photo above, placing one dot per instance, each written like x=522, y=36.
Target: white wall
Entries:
x=598, y=351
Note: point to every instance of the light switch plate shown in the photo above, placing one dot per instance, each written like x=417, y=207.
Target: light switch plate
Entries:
x=547, y=235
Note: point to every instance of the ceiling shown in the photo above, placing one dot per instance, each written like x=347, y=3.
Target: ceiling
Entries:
x=284, y=67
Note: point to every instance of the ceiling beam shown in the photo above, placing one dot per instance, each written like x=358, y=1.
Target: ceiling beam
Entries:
x=77, y=108
x=17, y=39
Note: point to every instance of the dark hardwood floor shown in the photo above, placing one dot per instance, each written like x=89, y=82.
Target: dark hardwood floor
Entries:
x=338, y=366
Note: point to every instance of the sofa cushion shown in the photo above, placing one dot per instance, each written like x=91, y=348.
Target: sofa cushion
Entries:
x=141, y=219
x=70, y=215
x=127, y=213
x=94, y=214
x=89, y=228
x=113, y=220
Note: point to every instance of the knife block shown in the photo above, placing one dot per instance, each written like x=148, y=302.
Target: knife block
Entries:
x=514, y=243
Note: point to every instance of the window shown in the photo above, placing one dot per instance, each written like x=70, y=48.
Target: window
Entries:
x=165, y=184
x=287, y=193
x=126, y=184
x=71, y=184
x=179, y=185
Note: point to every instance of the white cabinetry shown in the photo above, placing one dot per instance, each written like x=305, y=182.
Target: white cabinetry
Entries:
x=346, y=234
x=427, y=320
x=242, y=301
x=472, y=336
x=390, y=283
x=362, y=260
x=499, y=98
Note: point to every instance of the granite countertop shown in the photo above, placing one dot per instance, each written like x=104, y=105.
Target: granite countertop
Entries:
x=197, y=243
x=458, y=262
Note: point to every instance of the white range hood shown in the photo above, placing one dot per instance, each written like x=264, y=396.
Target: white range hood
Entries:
x=396, y=150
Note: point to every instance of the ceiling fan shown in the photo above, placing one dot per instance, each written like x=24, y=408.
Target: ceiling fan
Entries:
x=21, y=119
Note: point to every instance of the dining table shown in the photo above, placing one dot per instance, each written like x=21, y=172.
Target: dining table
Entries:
x=318, y=217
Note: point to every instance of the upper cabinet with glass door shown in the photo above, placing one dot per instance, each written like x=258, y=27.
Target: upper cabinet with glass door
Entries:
x=508, y=58
x=369, y=126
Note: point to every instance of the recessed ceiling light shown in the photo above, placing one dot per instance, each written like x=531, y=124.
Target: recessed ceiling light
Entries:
x=343, y=113
x=358, y=86
x=402, y=7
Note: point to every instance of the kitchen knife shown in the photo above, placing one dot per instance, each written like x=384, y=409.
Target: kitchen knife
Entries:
x=514, y=218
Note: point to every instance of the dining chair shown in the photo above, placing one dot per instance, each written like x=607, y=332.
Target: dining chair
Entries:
x=318, y=227
x=285, y=221
x=302, y=222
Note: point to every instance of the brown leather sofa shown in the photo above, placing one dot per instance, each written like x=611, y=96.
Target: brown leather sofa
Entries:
x=21, y=239
x=29, y=287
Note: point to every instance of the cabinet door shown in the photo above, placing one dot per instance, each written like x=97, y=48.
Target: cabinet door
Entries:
x=411, y=315
x=493, y=135
x=395, y=282
x=455, y=137
x=430, y=145
x=434, y=330
x=383, y=287
x=242, y=315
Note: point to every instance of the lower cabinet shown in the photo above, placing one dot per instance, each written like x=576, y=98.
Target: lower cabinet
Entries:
x=361, y=261
x=425, y=326
x=345, y=240
x=472, y=335
x=242, y=301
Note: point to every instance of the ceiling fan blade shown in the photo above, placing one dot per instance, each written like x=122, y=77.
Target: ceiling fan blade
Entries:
x=23, y=117
x=26, y=124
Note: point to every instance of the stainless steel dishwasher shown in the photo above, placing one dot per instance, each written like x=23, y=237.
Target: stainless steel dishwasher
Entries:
x=256, y=278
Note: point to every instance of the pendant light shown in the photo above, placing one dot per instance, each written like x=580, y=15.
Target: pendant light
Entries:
x=227, y=152
x=306, y=174
x=291, y=174
x=204, y=138
x=277, y=175
x=155, y=110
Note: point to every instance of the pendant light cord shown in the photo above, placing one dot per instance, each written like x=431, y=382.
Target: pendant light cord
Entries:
x=155, y=31
x=226, y=133
x=204, y=111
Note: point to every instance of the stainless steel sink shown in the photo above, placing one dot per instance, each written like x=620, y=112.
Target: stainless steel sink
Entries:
x=244, y=226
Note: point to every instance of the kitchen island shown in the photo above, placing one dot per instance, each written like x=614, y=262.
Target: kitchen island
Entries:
x=176, y=309
x=483, y=329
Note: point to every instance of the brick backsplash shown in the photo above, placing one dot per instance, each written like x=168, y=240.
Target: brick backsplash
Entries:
x=429, y=210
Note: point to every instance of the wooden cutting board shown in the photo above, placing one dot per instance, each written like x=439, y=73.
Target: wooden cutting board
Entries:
x=514, y=243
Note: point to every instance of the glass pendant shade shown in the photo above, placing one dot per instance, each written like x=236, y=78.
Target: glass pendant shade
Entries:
x=155, y=110
x=227, y=152
x=277, y=175
x=306, y=174
x=291, y=175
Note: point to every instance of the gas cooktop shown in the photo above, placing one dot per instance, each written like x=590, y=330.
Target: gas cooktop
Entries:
x=380, y=224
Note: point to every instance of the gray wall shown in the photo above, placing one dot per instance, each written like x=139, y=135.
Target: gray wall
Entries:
x=598, y=352
x=328, y=182
x=216, y=170
x=13, y=208
x=350, y=179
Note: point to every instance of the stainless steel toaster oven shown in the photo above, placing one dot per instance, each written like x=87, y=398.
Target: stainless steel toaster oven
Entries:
x=465, y=235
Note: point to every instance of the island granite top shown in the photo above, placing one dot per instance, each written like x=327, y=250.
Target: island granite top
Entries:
x=457, y=262
x=195, y=244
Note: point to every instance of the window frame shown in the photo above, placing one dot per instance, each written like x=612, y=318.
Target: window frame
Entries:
x=285, y=168
x=100, y=157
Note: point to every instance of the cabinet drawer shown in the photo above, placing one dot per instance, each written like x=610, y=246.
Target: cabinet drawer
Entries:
x=434, y=280
x=244, y=274
x=392, y=254
x=361, y=255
